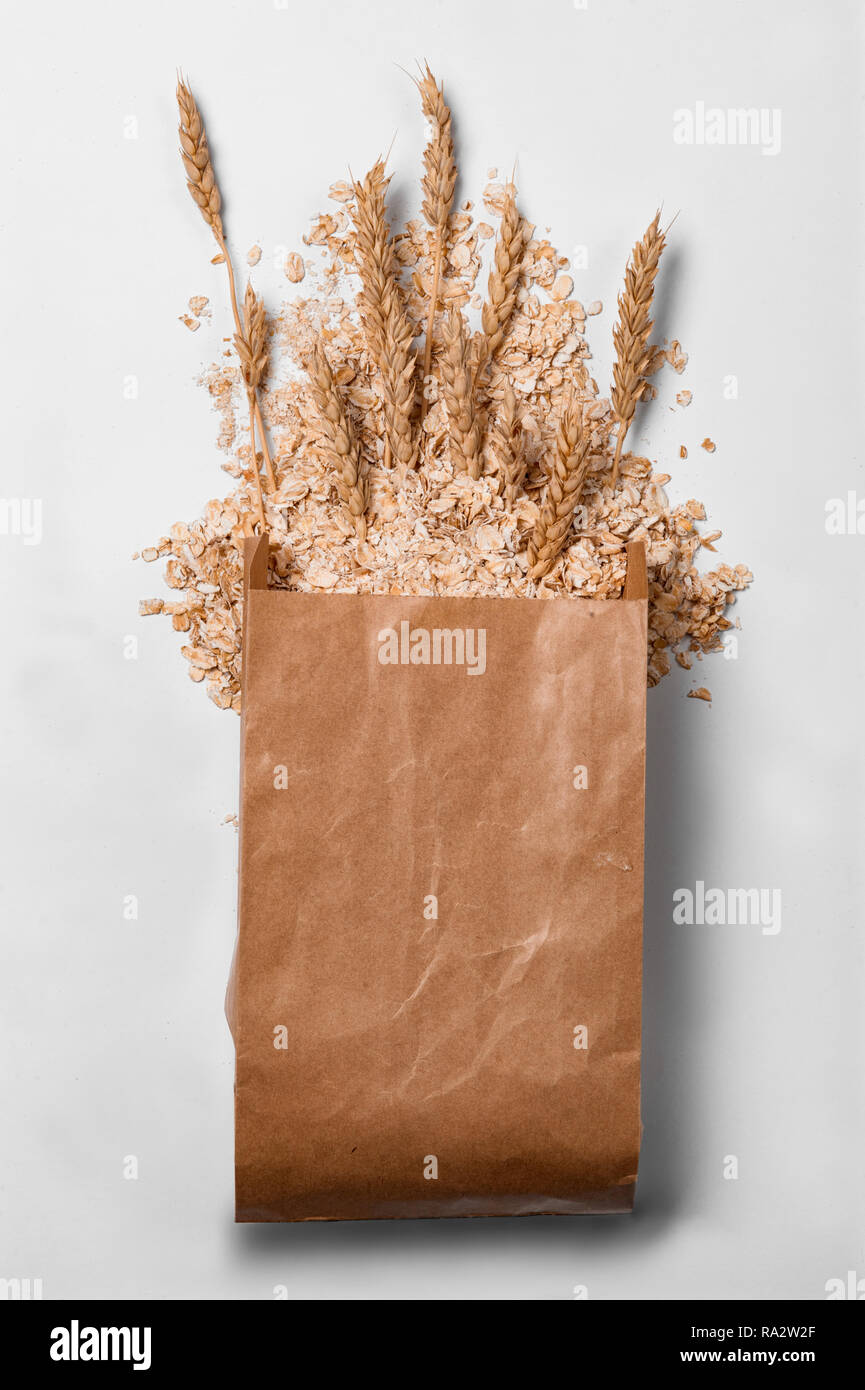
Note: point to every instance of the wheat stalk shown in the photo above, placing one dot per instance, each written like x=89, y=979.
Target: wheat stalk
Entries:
x=562, y=493
x=463, y=426
x=337, y=439
x=388, y=332
x=259, y=500
x=251, y=347
x=502, y=283
x=201, y=182
x=631, y=333
x=506, y=444
x=438, y=183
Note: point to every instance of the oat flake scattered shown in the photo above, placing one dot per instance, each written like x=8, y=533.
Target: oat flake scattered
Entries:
x=438, y=532
x=677, y=359
x=295, y=268
x=494, y=198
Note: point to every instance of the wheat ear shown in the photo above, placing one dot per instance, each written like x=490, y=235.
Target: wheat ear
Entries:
x=251, y=344
x=388, y=332
x=463, y=426
x=337, y=439
x=506, y=444
x=438, y=183
x=195, y=153
x=251, y=347
x=631, y=333
x=502, y=283
x=562, y=493
x=372, y=255
x=201, y=182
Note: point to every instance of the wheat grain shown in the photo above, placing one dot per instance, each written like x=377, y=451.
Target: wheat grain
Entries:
x=200, y=178
x=251, y=344
x=201, y=182
x=502, y=283
x=372, y=255
x=506, y=446
x=251, y=347
x=386, y=326
x=631, y=333
x=562, y=493
x=463, y=426
x=338, y=442
x=438, y=183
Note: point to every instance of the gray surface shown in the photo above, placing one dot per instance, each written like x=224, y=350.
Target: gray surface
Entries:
x=117, y=773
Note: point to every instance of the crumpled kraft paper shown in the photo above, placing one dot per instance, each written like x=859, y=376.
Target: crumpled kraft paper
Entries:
x=435, y=995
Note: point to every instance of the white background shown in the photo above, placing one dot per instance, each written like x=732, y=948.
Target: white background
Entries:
x=117, y=773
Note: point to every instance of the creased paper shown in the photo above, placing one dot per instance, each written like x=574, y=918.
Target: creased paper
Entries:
x=435, y=996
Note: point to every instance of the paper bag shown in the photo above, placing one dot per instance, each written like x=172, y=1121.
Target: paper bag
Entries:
x=435, y=996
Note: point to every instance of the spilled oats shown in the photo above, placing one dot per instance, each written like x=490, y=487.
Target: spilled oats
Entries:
x=494, y=476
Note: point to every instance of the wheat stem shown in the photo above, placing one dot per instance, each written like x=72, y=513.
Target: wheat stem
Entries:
x=232, y=289
x=201, y=182
x=262, y=432
x=268, y=461
x=254, y=454
x=250, y=342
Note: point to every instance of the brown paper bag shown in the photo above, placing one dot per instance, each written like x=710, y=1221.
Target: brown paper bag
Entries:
x=435, y=996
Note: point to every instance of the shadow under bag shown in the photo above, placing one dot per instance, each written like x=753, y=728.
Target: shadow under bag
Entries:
x=435, y=992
